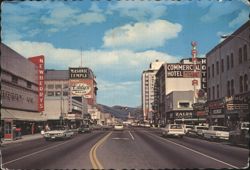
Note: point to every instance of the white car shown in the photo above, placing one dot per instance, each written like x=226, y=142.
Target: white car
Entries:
x=58, y=133
x=173, y=130
x=187, y=128
x=119, y=127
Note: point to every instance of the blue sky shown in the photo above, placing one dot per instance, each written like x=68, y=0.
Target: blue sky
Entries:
x=118, y=39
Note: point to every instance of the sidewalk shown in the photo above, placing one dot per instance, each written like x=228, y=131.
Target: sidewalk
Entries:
x=24, y=138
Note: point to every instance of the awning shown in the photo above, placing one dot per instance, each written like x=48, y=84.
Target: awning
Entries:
x=21, y=115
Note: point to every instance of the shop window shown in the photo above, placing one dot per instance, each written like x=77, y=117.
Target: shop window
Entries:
x=14, y=79
x=245, y=52
x=232, y=60
x=246, y=83
x=50, y=93
x=184, y=104
x=222, y=65
x=232, y=87
x=28, y=84
x=240, y=55
x=241, y=84
x=50, y=86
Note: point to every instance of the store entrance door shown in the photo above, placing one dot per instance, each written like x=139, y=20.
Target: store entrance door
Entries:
x=8, y=129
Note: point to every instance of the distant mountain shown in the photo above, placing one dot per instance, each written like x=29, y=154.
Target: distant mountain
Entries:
x=121, y=111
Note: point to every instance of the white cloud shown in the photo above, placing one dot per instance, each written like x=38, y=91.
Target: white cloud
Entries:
x=64, y=17
x=141, y=35
x=242, y=17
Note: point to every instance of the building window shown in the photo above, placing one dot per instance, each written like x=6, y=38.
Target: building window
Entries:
x=58, y=86
x=227, y=62
x=208, y=93
x=50, y=93
x=14, y=79
x=212, y=70
x=213, y=93
x=246, y=83
x=218, y=92
x=217, y=67
x=58, y=93
x=232, y=60
x=183, y=104
x=245, y=52
x=50, y=86
x=240, y=55
x=208, y=74
x=241, y=84
x=228, y=88
x=28, y=84
x=222, y=65
x=232, y=87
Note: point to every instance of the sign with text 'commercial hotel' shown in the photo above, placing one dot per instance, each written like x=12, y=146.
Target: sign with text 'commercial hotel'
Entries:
x=39, y=62
x=187, y=71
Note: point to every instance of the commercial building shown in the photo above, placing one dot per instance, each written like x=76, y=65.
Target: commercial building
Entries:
x=228, y=76
x=21, y=93
x=149, y=91
x=60, y=105
x=183, y=76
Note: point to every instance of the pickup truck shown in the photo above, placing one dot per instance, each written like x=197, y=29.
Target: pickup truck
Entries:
x=240, y=136
x=216, y=133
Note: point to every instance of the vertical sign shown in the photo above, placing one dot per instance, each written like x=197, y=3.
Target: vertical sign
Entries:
x=39, y=62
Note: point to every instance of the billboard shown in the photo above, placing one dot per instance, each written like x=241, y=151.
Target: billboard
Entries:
x=81, y=87
x=39, y=62
x=78, y=73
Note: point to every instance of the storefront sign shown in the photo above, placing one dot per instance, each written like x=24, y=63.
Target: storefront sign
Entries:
x=78, y=73
x=237, y=106
x=39, y=61
x=217, y=111
x=183, y=114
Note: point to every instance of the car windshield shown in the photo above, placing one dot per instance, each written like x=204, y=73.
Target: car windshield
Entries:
x=221, y=129
x=176, y=126
x=202, y=128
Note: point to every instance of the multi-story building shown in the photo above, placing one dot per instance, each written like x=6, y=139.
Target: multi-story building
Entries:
x=228, y=75
x=70, y=98
x=20, y=97
x=179, y=77
x=149, y=90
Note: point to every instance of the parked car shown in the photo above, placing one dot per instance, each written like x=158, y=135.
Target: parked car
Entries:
x=240, y=136
x=59, y=132
x=118, y=127
x=216, y=133
x=176, y=130
x=197, y=130
x=187, y=128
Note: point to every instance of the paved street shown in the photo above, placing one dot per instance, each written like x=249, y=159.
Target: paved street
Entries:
x=132, y=148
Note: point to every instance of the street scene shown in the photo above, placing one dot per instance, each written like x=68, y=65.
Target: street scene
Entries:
x=125, y=84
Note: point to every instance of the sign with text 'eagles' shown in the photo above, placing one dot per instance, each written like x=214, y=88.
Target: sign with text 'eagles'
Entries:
x=78, y=73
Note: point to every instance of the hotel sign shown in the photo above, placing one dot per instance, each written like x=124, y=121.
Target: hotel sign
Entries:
x=39, y=61
x=78, y=73
x=182, y=71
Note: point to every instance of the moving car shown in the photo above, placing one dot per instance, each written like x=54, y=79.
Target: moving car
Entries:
x=84, y=129
x=59, y=132
x=176, y=130
x=197, y=130
x=187, y=128
x=216, y=133
x=118, y=127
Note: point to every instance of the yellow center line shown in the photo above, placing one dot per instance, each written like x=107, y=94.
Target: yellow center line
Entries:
x=92, y=154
